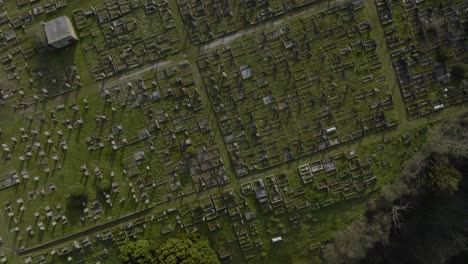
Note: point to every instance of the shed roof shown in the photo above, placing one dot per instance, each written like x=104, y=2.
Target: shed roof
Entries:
x=58, y=29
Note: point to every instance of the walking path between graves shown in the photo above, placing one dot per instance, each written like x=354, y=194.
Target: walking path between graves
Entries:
x=274, y=21
x=146, y=69
x=392, y=80
x=87, y=232
x=130, y=76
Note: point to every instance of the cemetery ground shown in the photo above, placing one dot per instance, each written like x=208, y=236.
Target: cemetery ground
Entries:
x=317, y=228
x=143, y=129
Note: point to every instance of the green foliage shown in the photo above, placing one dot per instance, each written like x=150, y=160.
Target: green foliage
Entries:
x=431, y=172
x=433, y=231
x=190, y=151
x=77, y=194
x=103, y=186
x=444, y=177
x=351, y=244
x=186, y=250
x=36, y=34
x=136, y=252
x=432, y=167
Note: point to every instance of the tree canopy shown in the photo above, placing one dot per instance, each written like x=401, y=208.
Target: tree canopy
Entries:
x=416, y=218
x=444, y=177
x=190, y=249
x=137, y=252
x=103, y=186
x=76, y=195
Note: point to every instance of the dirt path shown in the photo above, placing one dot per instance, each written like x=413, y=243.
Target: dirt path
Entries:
x=87, y=232
x=384, y=54
x=274, y=21
x=154, y=66
x=126, y=77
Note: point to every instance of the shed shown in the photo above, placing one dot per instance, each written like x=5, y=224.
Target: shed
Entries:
x=60, y=32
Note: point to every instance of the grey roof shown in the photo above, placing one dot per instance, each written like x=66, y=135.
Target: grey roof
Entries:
x=58, y=29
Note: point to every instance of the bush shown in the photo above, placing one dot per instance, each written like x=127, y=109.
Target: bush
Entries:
x=77, y=194
x=444, y=178
x=186, y=249
x=37, y=35
x=136, y=252
x=190, y=151
x=103, y=186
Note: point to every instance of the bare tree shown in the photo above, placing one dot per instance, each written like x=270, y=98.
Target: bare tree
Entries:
x=397, y=217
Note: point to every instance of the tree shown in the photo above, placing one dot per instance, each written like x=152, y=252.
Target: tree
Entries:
x=434, y=230
x=449, y=138
x=397, y=215
x=37, y=35
x=103, y=186
x=189, y=249
x=77, y=194
x=424, y=207
x=190, y=151
x=351, y=244
x=137, y=252
x=444, y=177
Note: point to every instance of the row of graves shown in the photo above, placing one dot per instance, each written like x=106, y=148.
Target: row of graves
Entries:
x=288, y=206
x=173, y=152
x=426, y=41
x=297, y=89
x=46, y=219
x=215, y=215
x=42, y=140
x=210, y=19
x=33, y=82
x=13, y=54
x=41, y=150
x=266, y=208
x=19, y=14
x=343, y=176
x=353, y=173
x=121, y=35
x=43, y=83
x=226, y=217
x=57, y=145
x=37, y=7
x=89, y=249
x=23, y=70
x=30, y=223
x=156, y=127
x=323, y=182
x=38, y=147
